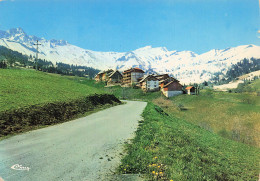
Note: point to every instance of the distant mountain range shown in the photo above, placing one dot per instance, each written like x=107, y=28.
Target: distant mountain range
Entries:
x=186, y=66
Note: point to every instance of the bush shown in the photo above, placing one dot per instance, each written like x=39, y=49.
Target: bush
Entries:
x=51, y=113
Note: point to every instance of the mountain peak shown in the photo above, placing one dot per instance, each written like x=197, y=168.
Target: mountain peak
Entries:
x=19, y=35
x=145, y=48
x=15, y=31
x=149, y=47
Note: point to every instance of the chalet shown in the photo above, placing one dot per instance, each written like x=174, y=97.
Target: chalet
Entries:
x=163, y=82
x=172, y=88
x=162, y=77
x=115, y=77
x=149, y=83
x=132, y=75
x=190, y=90
x=103, y=75
x=98, y=77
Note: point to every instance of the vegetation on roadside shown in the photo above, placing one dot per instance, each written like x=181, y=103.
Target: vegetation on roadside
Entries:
x=31, y=99
x=26, y=118
x=169, y=148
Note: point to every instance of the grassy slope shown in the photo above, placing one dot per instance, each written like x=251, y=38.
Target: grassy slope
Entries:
x=255, y=85
x=188, y=151
x=232, y=115
x=19, y=88
x=184, y=151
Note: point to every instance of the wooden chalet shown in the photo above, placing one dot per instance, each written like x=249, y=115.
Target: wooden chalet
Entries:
x=162, y=77
x=103, y=75
x=163, y=82
x=190, y=90
x=115, y=77
x=98, y=77
x=149, y=83
x=132, y=75
x=172, y=88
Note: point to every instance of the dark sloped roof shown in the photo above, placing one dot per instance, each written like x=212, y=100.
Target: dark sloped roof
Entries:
x=134, y=70
x=114, y=73
x=168, y=80
x=148, y=77
x=169, y=83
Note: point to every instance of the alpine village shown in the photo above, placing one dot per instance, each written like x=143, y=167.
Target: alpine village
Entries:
x=136, y=77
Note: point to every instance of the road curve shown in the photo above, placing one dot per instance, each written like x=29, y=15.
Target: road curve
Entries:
x=84, y=149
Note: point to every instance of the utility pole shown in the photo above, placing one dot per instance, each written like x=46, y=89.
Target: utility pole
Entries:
x=37, y=44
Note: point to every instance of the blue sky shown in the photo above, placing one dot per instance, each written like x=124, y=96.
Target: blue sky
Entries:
x=124, y=25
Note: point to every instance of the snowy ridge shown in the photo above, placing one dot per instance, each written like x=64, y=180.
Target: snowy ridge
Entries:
x=186, y=66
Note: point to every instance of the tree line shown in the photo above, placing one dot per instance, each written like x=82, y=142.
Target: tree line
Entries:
x=245, y=66
x=10, y=58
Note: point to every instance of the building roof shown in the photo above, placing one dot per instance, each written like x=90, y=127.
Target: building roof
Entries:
x=134, y=70
x=106, y=71
x=147, y=77
x=167, y=80
x=169, y=83
x=114, y=73
x=188, y=88
x=109, y=72
x=162, y=76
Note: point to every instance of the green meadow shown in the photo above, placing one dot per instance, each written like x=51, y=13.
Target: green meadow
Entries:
x=22, y=87
x=211, y=136
x=169, y=148
x=232, y=115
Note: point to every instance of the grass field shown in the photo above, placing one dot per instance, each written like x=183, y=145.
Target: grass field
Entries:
x=255, y=86
x=170, y=148
x=20, y=88
x=188, y=144
x=232, y=115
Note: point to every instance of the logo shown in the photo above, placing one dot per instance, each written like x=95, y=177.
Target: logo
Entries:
x=19, y=167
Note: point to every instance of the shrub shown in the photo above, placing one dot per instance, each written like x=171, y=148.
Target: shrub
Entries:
x=51, y=113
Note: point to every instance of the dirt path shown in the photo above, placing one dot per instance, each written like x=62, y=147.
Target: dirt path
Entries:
x=84, y=149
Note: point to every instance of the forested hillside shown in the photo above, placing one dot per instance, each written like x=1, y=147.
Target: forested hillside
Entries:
x=10, y=58
x=245, y=66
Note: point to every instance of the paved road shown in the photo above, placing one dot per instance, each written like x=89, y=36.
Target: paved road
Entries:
x=83, y=149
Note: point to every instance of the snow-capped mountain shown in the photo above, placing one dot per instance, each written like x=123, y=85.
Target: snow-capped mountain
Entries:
x=186, y=66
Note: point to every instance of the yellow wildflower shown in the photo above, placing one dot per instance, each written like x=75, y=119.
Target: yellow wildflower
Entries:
x=156, y=173
x=160, y=173
x=153, y=172
x=158, y=166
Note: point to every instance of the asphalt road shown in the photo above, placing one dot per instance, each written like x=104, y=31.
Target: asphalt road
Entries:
x=84, y=149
